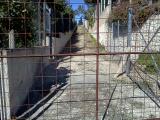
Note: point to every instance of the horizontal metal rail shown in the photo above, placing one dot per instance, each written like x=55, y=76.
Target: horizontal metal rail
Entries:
x=78, y=54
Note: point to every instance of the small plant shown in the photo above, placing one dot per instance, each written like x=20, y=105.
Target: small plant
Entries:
x=19, y=17
x=152, y=116
x=101, y=47
x=147, y=62
x=137, y=104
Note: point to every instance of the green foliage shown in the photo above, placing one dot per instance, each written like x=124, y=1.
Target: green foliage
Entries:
x=20, y=16
x=63, y=6
x=90, y=1
x=141, y=10
x=87, y=14
x=146, y=61
x=17, y=15
x=94, y=42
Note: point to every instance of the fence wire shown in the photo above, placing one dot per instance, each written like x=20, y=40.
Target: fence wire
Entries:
x=56, y=64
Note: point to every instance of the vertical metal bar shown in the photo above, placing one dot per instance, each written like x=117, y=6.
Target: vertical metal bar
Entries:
x=129, y=39
x=1, y=92
x=113, y=37
x=110, y=5
x=118, y=47
x=129, y=27
x=44, y=22
x=97, y=61
x=39, y=23
x=50, y=34
x=118, y=29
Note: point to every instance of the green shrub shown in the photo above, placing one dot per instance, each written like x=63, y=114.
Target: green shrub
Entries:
x=19, y=17
x=94, y=42
x=147, y=62
x=90, y=1
x=141, y=11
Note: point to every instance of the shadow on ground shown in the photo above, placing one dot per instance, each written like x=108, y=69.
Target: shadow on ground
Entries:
x=45, y=81
x=71, y=46
x=49, y=78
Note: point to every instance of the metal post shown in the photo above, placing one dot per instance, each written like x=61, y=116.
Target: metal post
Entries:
x=1, y=91
x=129, y=39
x=39, y=24
x=129, y=27
x=97, y=63
x=113, y=40
x=50, y=34
x=118, y=29
x=44, y=23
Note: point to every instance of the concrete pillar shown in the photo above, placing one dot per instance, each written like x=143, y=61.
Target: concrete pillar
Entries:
x=110, y=5
x=119, y=1
x=104, y=4
x=4, y=86
x=104, y=1
x=11, y=40
x=101, y=6
x=44, y=24
x=39, y=24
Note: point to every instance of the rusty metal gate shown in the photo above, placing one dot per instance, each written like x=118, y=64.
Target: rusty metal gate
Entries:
x=79, y=60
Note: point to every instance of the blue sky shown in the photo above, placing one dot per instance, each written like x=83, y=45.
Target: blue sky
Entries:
x=75, y=4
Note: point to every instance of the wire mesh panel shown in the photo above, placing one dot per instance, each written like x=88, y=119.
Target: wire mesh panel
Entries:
x=79, y=60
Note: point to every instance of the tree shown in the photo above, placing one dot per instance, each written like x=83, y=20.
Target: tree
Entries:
x=87, y=14
x=19, y=16
x=90, y=1
x=62, y=8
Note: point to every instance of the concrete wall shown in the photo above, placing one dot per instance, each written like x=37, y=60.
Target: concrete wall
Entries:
x=103, y=27
x=119, y=43
x=59, y=43
x=18, y=74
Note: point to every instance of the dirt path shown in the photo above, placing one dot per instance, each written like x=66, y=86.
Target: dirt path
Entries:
x=77, y=99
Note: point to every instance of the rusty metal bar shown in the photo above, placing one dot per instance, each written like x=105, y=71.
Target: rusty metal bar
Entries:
x=97, y=61
x=78, y=54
